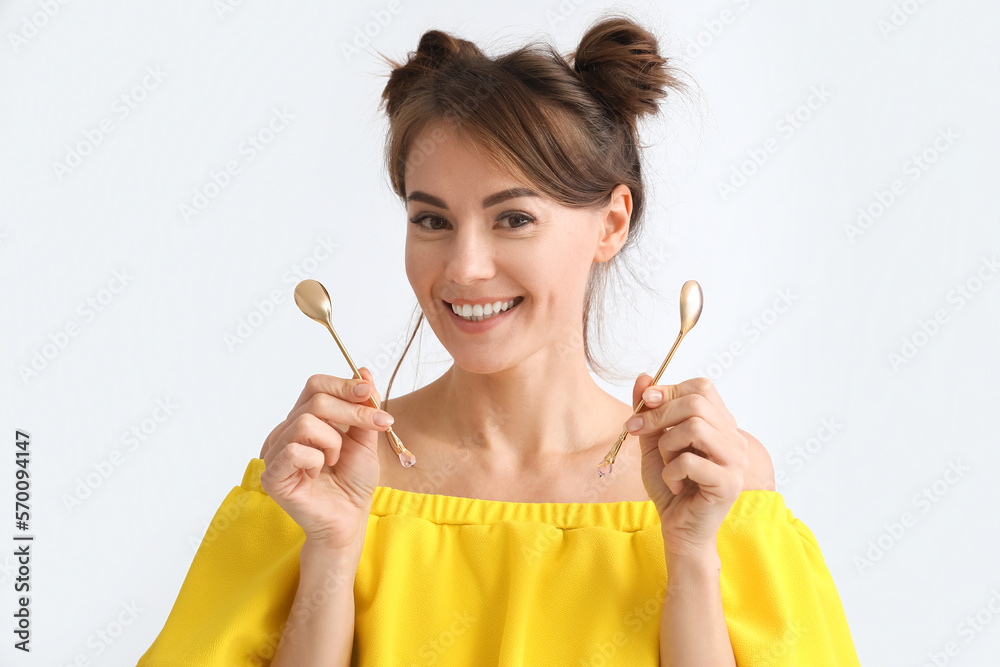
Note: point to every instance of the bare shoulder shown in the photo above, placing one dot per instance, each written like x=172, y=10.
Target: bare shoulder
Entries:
x=759, y=473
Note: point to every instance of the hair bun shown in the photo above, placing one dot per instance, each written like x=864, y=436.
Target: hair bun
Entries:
x=436, y=48
x=619, y=62
x=434, y=51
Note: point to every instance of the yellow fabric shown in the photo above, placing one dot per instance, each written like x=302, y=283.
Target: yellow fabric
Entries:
x=445, y=580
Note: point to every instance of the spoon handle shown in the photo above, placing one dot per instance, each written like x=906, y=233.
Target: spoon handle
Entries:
x=405, y=456
x=605, y=466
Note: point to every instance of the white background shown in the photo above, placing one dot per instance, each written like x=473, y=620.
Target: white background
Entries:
x=895, y=78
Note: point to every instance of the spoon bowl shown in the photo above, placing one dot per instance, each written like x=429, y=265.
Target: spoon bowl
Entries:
x=690, y=304
x=313, y=300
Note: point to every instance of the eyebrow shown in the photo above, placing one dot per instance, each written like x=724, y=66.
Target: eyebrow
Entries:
x=492, y=200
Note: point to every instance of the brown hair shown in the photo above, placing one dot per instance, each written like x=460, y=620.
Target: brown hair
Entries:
x=563, y=124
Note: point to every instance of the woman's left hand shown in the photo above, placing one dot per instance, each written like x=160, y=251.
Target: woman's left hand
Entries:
x=693, y=461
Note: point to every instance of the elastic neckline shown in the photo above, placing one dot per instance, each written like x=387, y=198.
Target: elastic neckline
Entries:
x=624, y=515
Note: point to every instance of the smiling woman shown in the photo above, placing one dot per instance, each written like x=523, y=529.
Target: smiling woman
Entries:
x=522, y=181
x=478, y=238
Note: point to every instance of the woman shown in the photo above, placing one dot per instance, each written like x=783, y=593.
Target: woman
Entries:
x=522, y=182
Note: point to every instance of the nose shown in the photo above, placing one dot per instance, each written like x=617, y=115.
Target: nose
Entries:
x=470, y=257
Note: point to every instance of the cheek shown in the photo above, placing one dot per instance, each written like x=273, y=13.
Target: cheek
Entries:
x=556, y=275
x=416, y=266
x=422, y=274
x=567, y=264
x=416, y=272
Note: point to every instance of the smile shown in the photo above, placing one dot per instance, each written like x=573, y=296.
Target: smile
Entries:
x=486, y=311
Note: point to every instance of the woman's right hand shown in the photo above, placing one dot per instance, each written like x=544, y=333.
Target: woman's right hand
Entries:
x=321, y=463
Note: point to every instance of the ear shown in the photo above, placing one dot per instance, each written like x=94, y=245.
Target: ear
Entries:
x=613, y=224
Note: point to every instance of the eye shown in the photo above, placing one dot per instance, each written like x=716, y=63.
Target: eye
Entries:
x=514, y=215
x=417, y=219
x=516, y=220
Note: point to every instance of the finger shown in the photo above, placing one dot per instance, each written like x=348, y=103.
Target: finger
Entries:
x=370, y=380
x=711, y=478
x=342, y=388
x=336, y=411
x=309, y=430
x=641, y=382
x=701, y=437
x=293, y=458
x=267, y=443
x=700, y=386
x=678, y=410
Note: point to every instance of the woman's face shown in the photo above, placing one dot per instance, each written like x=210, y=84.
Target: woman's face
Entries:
x=527, y=248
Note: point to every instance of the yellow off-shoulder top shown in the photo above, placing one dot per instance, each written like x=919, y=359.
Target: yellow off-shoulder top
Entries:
x=446, y=580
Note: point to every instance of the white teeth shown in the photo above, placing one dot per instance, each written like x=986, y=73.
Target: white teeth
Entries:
x=481, y=312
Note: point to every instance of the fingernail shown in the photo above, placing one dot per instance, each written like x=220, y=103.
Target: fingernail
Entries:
x=633, y=424
x=360, y=389
x=383, y=419
x=652, y=395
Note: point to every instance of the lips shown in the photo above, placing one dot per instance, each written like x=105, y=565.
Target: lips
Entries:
x=515, y=302
x=495, y=306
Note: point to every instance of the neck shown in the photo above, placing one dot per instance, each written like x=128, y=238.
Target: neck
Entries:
x=527, y=416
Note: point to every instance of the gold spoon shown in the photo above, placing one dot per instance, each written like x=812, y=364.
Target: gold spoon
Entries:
x=313, y=300
x=690, y=312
